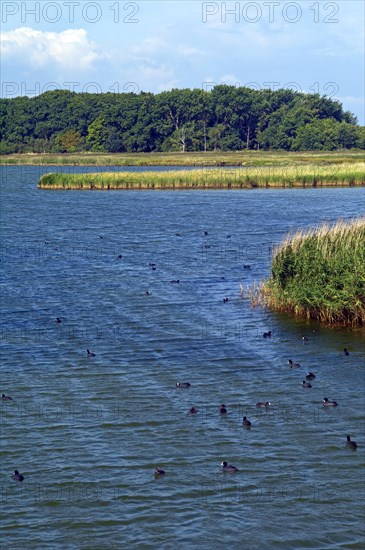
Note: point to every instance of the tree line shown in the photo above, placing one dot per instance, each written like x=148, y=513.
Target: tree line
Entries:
x=226, y=118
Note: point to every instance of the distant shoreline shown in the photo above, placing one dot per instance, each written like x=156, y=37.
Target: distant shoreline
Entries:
x=240, y=158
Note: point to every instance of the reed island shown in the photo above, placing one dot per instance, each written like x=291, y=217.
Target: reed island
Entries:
x=246, y=177
x=319, y=274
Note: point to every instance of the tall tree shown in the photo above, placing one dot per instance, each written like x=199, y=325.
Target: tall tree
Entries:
x=226, y=118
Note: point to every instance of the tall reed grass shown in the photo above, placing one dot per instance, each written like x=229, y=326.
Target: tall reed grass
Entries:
x=319, y=274
x=311, y=175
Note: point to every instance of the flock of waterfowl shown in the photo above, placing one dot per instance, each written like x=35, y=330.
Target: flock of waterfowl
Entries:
x=16, y=476
x=264, y=404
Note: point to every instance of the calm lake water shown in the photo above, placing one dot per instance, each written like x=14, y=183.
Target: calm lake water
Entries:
x=87, y=432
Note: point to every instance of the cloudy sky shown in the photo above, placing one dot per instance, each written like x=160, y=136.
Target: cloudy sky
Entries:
x=155, y=45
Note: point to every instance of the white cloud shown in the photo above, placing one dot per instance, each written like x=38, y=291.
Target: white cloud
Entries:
x=149, y=46
x=185, y=49
x=71, y=49
x=153, y=62
x=154, y=45
x=158, y=76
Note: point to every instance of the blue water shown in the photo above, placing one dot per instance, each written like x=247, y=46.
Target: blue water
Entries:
x=88, y=432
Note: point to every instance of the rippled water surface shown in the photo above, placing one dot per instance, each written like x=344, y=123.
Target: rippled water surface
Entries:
x=87, y=432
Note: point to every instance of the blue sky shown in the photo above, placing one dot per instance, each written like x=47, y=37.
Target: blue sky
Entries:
x=110, y=45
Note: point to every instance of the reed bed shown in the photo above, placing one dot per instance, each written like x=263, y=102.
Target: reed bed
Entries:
x=319, y=274
x=210, y=158
x=213, y=178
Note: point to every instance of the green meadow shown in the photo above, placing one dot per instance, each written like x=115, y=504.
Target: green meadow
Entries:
x=210, y=158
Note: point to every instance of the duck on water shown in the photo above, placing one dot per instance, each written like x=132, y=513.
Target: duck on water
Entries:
x=228, y=467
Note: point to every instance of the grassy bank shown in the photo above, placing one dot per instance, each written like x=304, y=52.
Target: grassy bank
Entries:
x=241, y=158
x=319, y=274
x=213, y=178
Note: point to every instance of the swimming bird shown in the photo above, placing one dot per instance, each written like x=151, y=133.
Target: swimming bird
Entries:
x=58, y=320
x=90, y=353
x=16, y=476
x=328, y=403
x=175, y=281
x=159, y=472
x=310, y=376
x=346, y=351
x=228, y=467
x=351, y=444
x=267, y=334
x=304, y=339
x=148, y=293
x=293, y=365
x=6, y=397
x=263, y=404
x=193, y=410
x=246, y=266
x=306, y=384
x=225, y=300
x=183, y=384
x=246, y=423
x=223, y=409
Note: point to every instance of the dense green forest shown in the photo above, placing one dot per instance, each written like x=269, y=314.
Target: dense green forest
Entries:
x=226, y=118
